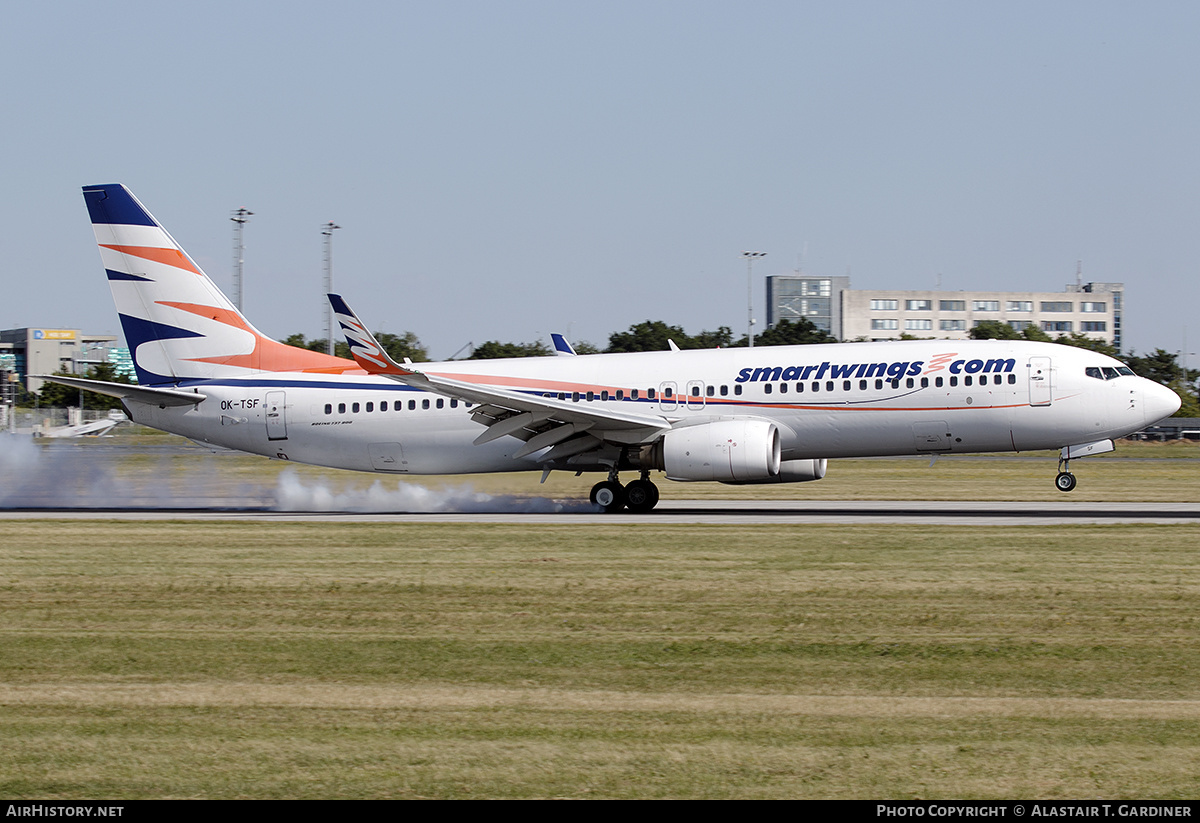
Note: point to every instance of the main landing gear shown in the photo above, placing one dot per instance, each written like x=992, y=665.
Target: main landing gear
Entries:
x=639, y=496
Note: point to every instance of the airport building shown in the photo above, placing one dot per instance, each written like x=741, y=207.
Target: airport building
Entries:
x=45, y=351
x=1092, y=309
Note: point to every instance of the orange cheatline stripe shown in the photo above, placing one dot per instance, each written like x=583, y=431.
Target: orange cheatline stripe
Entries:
x=171, y=257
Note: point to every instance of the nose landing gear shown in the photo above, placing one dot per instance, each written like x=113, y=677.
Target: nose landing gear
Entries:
x=1065, y=481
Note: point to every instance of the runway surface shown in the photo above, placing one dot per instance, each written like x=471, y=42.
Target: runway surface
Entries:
x=712, y=512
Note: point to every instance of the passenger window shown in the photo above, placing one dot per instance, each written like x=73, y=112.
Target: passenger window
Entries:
x=767, y=388
x=845, y=385
x=953, y=381
x=828, y=385
x=862, y=385
x=937, y=381
x=909, y=383
x=574, y=397
x=1012, y=379
x=341, y=408
x=650, y=393
x=924, y=382
x=620, y=394
x=562, y=395
x=737, y=389
x=711, y=391
x=383, y=405
x=967, y=380
x=453, y=403
x=633, y=394
x=800, y=388
x=603, y=395
x=441, y=403
x=783, y=388
x=370, y=407
x=668, y=393
x=424, y=404
x=354, y=408
x=724, y=391
x=591, y=396
x=896, y=383
x=878, y=384
x=412, y=404
x=329, y=408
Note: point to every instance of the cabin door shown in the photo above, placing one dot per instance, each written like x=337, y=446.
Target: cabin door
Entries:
x=1039, y=381
x=276, y=419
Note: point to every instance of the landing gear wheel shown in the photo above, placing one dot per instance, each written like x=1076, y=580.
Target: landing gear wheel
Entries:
x=1065, y=481
x=609, y=495
x=641, y=496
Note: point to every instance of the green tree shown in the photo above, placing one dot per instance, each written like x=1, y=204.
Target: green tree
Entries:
x=652, y=335
x=722, y=338
x=786, y=332
x=993, y=330
x=494, y=349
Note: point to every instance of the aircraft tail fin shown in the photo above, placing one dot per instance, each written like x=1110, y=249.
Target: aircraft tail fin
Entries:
x=363, y=345
x=177, y=323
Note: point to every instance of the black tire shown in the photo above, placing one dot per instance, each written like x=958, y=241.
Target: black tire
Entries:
x=609, y=496
x=641, y=496
x=1064, y=482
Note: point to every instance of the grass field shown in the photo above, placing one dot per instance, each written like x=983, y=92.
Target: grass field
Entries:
x=456, y=661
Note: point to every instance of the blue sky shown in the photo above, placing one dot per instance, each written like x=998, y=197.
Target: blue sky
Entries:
x=502, y=170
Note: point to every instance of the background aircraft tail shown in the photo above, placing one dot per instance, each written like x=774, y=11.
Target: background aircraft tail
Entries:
x=177, y=323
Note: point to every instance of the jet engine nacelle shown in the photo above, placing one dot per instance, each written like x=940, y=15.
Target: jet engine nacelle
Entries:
x=737, y=451
x=790, y=471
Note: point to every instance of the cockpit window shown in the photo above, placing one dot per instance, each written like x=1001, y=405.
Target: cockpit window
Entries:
x=1093, y=371
x=1110, y=373
x=1125, y=370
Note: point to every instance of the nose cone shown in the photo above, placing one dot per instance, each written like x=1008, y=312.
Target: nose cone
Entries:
x=1161, y=401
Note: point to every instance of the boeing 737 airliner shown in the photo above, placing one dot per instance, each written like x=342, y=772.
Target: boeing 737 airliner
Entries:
x=742, y=416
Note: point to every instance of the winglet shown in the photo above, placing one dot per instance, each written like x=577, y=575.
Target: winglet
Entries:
x=363, y=345
x=561, y=346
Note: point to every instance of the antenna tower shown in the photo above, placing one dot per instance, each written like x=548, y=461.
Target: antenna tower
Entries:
x=240, y=218
x=327, y=231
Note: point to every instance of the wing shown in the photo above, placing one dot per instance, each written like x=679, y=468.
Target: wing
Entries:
x=569, y=428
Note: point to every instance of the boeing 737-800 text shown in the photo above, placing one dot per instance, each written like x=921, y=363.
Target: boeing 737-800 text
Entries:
x=740, y=415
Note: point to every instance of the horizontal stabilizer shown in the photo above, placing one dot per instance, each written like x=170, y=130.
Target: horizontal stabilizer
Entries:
x=127, y=391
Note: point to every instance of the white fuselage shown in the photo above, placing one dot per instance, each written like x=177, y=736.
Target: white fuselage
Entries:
x=828, y=401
